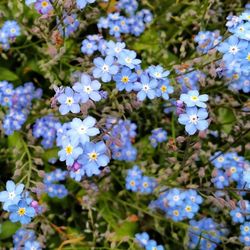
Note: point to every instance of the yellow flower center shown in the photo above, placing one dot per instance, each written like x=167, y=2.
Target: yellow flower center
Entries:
x=194, y=98
x=235, y=76
x=246, y=228
x=69, y=150
x=125, y=79
x=176, y=212
x=163, y=88
x=233, y=169
x=188, y=209
x=220, y=159
x=44, y=4
x=132, y=183
x=145, y=184
x=69, y=100
x=93, y=156
x=116, y=28
x=13, y=30
x=248, y=57
x=21, y=211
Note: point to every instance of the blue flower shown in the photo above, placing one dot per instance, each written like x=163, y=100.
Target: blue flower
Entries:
x=125, y=79
x=105, y=68
x=81, y=4
x=34, y=245
x=147, y=185
x=194, y=119
x=146, y=87
x=231, y=48
x=81, y=130
x=152, y=245
x=12, y=195
x=142, y=238
x=88, y=47
x=69, y=152
x=175, y=197
x=21, y=212
x=88, y=89
x=192, y=99
x=157, y=72
x=164, y=89
x=237, y=216
x=69, y=101
x=94, y=157
x=128, y=58
x=11, y=28
x=114, y=49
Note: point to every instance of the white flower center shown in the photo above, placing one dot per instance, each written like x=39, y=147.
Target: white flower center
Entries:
x=69, y=101
x=128, y=60
x=87, y=89
x=233, y=49
x=176, y=198
x=146, y=87
x=117, y=50
x=12, y=195
x=193, y=119
x=157, y=74
x=105, y=68
x=82, y=130
x=89, y=45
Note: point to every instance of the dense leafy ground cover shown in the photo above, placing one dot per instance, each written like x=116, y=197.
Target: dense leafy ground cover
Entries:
x=124, y=124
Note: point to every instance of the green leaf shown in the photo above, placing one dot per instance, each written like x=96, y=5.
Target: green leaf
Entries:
x=6, y=74
x=51, y=153
x=15, y=140
x=124, y=230
x=7, y=229
x=226, y=118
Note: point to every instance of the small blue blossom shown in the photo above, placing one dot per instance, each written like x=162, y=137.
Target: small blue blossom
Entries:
x=87, y=89
x=192, y=99
x=69, y=101
x=21, y=212
x=94, y=157
x=105, y=68
x=125, y=79
x=81, y=131
x=128, y=58
x=146, y=87
x=12, y=195
x=69, y=152
x=81, y=4
x=194, y=119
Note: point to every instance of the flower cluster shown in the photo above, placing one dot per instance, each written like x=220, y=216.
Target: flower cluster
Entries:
x=18, y=103
x=178, y=204
x=195, y=114
x=245, y=233
x=8, y=33
x=52, y=189
x=158, y=136
x=189, y=78
x=236, y=52
x=84, y=90
x=69, y=24
x=133, y=24
x=205, y=234
x=46, y=128
x=145, y=242
x=120, y=135
x=17, y=203
x=137, y=182
x=230, y=167
x=207, y=40
x=25, y=239
x=81, y=156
